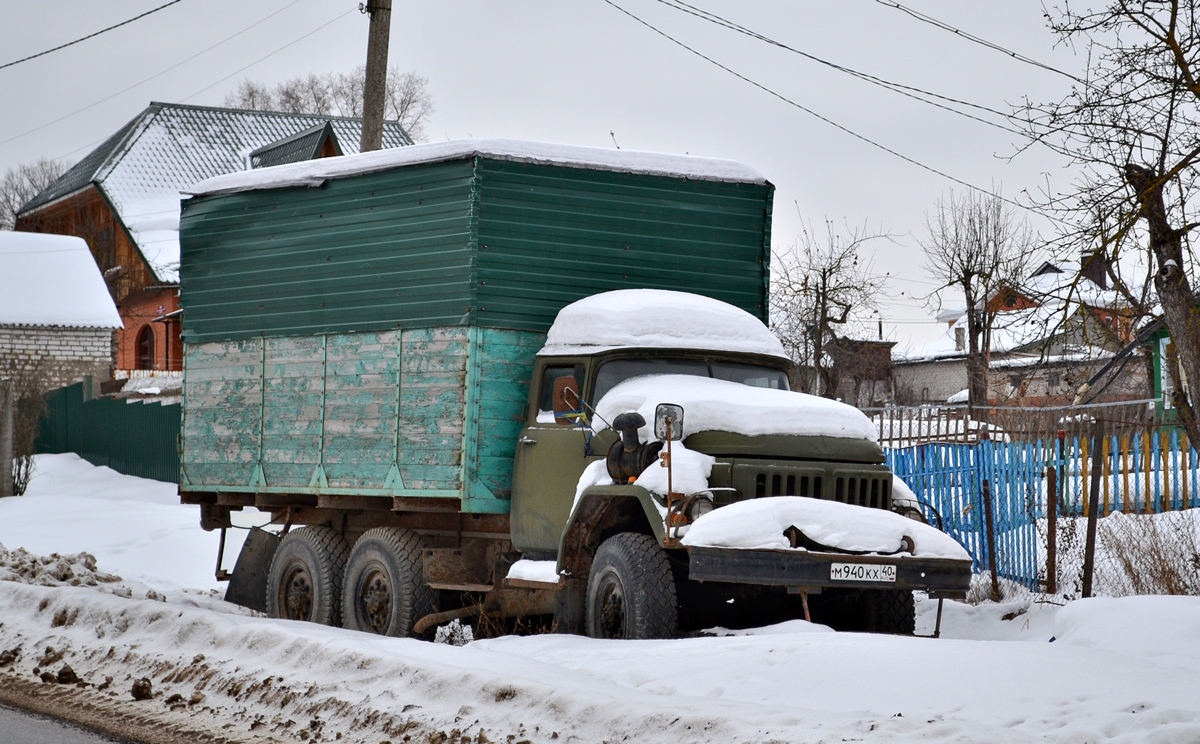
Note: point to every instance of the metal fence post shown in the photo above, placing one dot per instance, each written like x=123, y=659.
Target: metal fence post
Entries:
x=7, y=404
x=1089, y=551
x=1051, y=530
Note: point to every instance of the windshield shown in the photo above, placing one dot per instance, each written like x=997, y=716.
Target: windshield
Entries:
x=617, y=371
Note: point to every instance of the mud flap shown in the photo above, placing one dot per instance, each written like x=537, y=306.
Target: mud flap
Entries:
x=248, y=585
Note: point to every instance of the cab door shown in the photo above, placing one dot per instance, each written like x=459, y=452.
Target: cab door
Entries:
x=549, y=459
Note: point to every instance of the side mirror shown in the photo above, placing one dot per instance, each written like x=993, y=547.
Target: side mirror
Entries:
x=668, y=417
x=566, y=400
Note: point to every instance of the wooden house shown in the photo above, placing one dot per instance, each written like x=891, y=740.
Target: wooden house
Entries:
x=123, y=199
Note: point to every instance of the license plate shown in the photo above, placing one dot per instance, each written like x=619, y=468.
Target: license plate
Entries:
x=879, y=572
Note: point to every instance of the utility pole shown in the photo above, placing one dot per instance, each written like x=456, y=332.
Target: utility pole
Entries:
x=375, y=85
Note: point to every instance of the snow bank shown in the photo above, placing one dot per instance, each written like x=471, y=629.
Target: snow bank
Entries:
x=657, y=318
x=760, y=524
x=274, y=679
x=52, y=280
x=134, y=527
x=315, y=172
x=718, y=405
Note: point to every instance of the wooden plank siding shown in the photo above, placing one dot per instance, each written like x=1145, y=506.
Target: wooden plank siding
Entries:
x=318, y=414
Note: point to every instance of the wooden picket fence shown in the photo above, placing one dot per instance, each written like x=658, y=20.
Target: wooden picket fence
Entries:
x=1144, y=470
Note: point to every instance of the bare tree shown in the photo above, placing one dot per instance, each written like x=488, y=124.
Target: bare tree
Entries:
x=22, y=183
x=407, y=97
x=29, y=379
x=821, y=287
x=1132, y=128
x=977, y=246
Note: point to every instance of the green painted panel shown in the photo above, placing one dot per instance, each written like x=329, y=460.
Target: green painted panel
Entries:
x=505, y=365
x=432, y=401
x=549, y=235
x=372, y=252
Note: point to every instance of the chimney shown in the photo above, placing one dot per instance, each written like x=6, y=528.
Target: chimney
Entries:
x=1094, y=266
x=960, y=339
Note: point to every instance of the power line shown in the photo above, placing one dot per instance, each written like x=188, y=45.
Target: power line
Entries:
x=89, y=36
x=825, y=119
x=904, y=90
x=977, y=40
x=146, y=80
x=272, y=54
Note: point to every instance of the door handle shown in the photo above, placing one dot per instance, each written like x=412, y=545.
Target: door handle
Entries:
x=527, y=440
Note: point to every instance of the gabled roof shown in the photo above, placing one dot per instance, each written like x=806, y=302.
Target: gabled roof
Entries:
x=169, y=147
x=52, y=280
x=305, y=145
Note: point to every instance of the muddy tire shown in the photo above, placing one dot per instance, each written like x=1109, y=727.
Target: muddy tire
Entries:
x=305, y=578
x=384, y=591
x=631, y=590
x=889, y=611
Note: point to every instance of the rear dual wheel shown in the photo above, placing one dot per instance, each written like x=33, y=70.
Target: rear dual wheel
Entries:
x=384, y=591
x=376, y=587
x=304, y=581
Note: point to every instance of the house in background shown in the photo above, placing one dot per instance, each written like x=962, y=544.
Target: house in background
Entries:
x=56, y=315
x=123, y=199
x=1049, y=337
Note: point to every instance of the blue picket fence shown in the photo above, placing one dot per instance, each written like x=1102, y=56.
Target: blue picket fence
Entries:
x=1143, y=471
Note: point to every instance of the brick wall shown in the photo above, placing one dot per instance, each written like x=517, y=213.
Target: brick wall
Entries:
x=929, y=382
x=138, y=312
x=68, y=353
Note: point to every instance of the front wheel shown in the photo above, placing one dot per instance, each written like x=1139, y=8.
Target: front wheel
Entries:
x=304, y=581
x=631, y=590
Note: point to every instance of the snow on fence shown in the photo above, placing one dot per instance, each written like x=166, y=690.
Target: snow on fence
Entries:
x=1148, y=470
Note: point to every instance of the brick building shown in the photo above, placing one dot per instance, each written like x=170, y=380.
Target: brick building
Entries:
x=123, y=199
x=56, y=316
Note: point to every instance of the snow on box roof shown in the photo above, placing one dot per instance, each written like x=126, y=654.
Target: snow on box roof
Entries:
x=315, y=172
x=52, y=280
x=657, y=318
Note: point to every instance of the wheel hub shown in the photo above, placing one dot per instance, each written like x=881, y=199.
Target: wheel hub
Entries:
x=375, y=601
x=612, y=611
x=298, y=595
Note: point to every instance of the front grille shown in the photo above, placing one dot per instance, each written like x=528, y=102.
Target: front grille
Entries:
x=863, y=490
x=863, y=485
x=778, y=484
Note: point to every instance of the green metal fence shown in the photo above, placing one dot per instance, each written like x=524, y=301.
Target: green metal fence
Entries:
x=132, y=438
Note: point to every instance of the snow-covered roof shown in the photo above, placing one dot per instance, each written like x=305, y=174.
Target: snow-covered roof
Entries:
x=315, y=172
x=142, y=168
x=657, y=318
x=52, y=280
x=720, y=405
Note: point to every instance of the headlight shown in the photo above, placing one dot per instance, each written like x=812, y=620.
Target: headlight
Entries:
x=700, y=506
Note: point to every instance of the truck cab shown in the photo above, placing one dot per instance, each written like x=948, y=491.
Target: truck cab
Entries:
x=562, y=512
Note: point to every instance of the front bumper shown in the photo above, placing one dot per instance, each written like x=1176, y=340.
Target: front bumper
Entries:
x=809, y=570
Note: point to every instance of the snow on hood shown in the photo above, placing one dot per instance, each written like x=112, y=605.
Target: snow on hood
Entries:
x=657, y=318
x=719, y=405
x=759, y=524
x=314, y=172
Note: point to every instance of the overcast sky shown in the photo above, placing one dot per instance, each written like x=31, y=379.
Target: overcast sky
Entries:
x=582, y=72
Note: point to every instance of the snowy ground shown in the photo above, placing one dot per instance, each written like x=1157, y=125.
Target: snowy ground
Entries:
x=1118, y=669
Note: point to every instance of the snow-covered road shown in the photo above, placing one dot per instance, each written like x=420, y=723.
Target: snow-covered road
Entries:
x=1118, y=669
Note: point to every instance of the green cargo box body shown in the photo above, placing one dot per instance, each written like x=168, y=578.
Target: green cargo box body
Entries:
x=367, y=325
